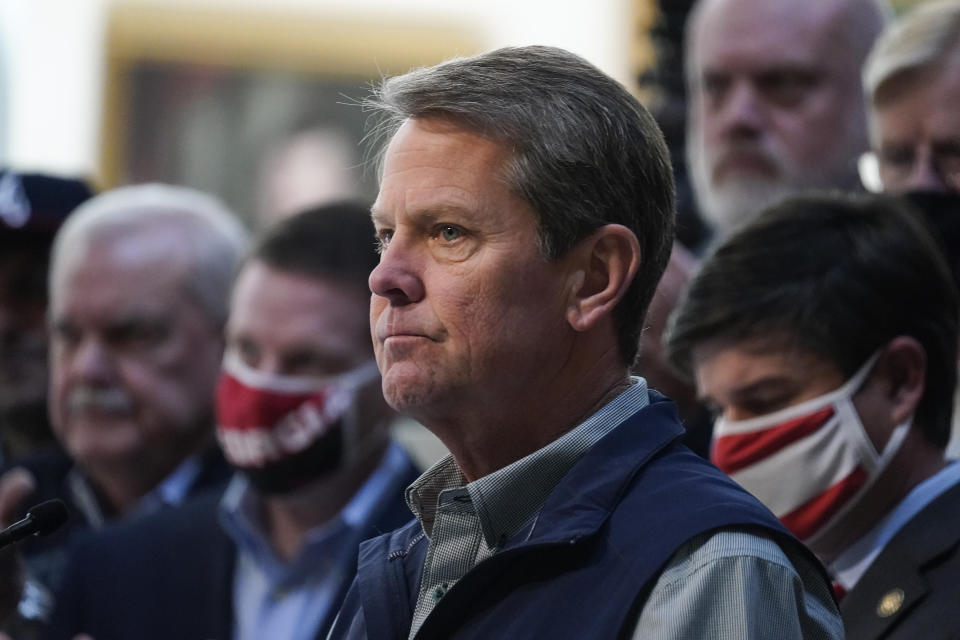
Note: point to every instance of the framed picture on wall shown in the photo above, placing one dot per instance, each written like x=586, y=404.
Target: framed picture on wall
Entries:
x=260, y=108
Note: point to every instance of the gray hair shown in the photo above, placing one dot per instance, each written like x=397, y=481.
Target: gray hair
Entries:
x=585, y=153
x=213, y=238
x=922, y=39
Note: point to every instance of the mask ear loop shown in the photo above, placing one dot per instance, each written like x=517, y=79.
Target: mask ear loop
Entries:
x=861, y=439
x=895, y=441
x=361, y=375
x=879, y=461
x=355, y=446
x=345, y=388
x=251, y=377
x=897, y=437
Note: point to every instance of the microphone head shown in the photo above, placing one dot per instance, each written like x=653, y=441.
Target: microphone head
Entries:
x=48, y=516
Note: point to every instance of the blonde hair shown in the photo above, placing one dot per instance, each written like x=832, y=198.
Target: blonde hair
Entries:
x=922, y=39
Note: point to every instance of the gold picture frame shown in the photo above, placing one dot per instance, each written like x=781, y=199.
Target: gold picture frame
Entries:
x=165, y=60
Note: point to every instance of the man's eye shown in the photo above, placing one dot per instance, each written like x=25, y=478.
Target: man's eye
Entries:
x=382, y=239
x=65, y=335
x=714, y=85
x=948, y=160
x=247, y=351
x=897, y=157
x=787, y=88
x=764, y=405
x=449, y=232
x=138, y=335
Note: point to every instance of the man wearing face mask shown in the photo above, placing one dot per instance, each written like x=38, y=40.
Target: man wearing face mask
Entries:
x=824, y=333
x=301, y=418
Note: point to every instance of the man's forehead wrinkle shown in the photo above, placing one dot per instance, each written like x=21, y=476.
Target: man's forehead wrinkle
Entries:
x=440, y=198
x=427, y=202
x=123, y=314
x=378, y=215
x=743, y=52
x=758, y=68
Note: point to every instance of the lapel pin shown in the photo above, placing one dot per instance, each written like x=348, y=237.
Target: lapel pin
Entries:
x=890, y=603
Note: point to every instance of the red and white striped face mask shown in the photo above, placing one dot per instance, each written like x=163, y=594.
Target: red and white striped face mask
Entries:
x=284, y=431
x=809, y=463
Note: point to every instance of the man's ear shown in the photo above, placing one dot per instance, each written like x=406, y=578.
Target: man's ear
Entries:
x=608, y=260
x=903, y=367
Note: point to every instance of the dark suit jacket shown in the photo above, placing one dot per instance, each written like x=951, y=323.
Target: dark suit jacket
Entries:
x=47, y=557
x=170, y=576
x=912, y=590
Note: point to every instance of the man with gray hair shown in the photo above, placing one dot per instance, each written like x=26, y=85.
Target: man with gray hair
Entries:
x=524, y=218
x=139, y=282
x=775, y=106
x=302, y=420
x=912, y=82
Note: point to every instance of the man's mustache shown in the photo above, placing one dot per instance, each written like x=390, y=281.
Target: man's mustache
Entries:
x=102, y=399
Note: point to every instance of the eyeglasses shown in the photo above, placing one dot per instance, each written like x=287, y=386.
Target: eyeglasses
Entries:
x=893, y=169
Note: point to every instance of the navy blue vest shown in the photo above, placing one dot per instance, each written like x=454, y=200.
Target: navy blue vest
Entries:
x=598, y=545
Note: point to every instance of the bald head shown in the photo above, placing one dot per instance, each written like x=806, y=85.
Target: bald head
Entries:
x=775, y=104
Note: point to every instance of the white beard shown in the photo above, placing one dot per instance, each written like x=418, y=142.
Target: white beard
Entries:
x=741, y=196
x=738, y=200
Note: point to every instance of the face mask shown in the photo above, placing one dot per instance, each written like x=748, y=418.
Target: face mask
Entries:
x=810, y=463
x=283, y=431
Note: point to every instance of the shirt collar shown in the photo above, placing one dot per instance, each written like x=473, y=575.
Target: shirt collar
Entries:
x=360, y=510
x=171, y=491
x=854, y=561
x=241, y=513
x=509, y=498
x=175, y=487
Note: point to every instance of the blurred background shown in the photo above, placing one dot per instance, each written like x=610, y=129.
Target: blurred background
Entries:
x=256, y=100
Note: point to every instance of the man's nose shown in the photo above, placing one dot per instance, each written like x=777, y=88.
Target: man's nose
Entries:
x=924, y=175
x=397, y=278
x=741, y=112
x=92, y=361
x=269, y=363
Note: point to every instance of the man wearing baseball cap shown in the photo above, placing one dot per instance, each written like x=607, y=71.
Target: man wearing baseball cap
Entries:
x=32, y=208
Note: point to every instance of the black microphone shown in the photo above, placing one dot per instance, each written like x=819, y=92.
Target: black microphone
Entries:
x=42, y=520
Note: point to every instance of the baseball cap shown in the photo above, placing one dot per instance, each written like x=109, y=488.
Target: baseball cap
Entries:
x=37, y=203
